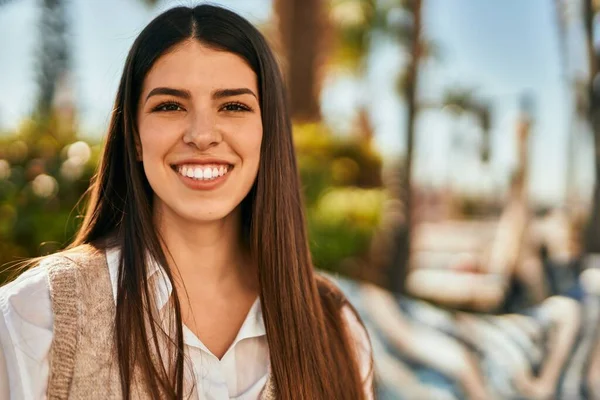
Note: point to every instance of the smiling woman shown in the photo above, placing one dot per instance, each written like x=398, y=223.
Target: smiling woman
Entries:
x=191, y=274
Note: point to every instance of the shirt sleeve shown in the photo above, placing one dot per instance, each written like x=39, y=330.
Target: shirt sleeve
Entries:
x=363, y=349
x=4, y=380
x=26, y=322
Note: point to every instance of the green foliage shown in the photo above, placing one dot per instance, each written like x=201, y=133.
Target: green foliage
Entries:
x=341, y=224
x=44, y=170
x=343, y=194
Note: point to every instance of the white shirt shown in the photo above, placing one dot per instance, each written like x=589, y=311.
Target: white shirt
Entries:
x=26, y=330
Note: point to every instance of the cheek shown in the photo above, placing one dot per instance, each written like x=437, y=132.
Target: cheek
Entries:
x=251, y=144
x=155, y=140
x=245, y=141
x=254, y=148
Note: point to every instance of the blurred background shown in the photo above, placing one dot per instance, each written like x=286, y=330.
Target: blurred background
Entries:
x=447, y=151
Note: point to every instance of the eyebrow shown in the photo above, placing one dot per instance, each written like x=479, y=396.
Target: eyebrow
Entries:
x=186, y=94
x=222, y=93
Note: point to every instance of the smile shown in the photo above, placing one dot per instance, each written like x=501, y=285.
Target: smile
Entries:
x=206, y=172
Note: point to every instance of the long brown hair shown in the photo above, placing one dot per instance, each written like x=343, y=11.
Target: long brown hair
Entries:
x=311, y=351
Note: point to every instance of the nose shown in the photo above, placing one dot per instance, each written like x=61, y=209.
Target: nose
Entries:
x=202, y=132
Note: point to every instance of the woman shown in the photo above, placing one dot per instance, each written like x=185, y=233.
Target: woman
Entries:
x=191, y=274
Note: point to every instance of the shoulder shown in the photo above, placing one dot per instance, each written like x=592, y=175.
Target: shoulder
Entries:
x=362, y=347
x=31, y=284
x=28, y=296
x=330, y=292
x=68, y=266
x=35, y=268
x=26, y=326
x=80, y=256
x=26, y=330
x=24, y=294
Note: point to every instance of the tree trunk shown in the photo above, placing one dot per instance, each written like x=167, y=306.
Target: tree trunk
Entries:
x=303, y=28
x=398, y=269
x=592, y=236
x=53, y=62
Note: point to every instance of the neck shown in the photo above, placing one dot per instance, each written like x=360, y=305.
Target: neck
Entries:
x=210, y=255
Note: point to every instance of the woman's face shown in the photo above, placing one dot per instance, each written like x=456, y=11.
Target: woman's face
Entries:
x=200, y=131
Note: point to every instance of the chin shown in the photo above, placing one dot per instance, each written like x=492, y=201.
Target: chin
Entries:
x=206, y=217
x=204, y=213
x=197, y=210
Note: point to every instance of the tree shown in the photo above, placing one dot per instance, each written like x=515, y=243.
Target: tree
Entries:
x=400, y=20
x=53, y=61
x=592, y=235
x=355, y=23
x=463, y=101
x=53, y=64
x=398, y=269
x=304, y=37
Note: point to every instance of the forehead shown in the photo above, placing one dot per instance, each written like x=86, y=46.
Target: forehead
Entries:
x=194, y=66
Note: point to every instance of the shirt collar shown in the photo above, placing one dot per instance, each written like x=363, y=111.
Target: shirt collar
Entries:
x=253, y=325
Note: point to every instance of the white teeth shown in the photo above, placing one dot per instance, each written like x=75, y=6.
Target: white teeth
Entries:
x=199, y=173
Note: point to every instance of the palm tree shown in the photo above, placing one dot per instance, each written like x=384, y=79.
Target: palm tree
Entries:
x=398, y=268
x=353, y=47
x=54, y=60
x=304, y=33
x=463, y=101
x=592, y=236
x=355, y=21
x=54, y=57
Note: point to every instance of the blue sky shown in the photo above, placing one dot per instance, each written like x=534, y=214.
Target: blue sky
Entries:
x=501, y=48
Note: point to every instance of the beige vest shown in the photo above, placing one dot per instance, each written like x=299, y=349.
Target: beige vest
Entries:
x=82, y=354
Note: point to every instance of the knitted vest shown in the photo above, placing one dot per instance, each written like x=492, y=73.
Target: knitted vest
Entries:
x=83, y=354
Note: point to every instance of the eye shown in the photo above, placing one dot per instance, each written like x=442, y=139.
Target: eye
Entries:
x=235, y=107
x=168, y=107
